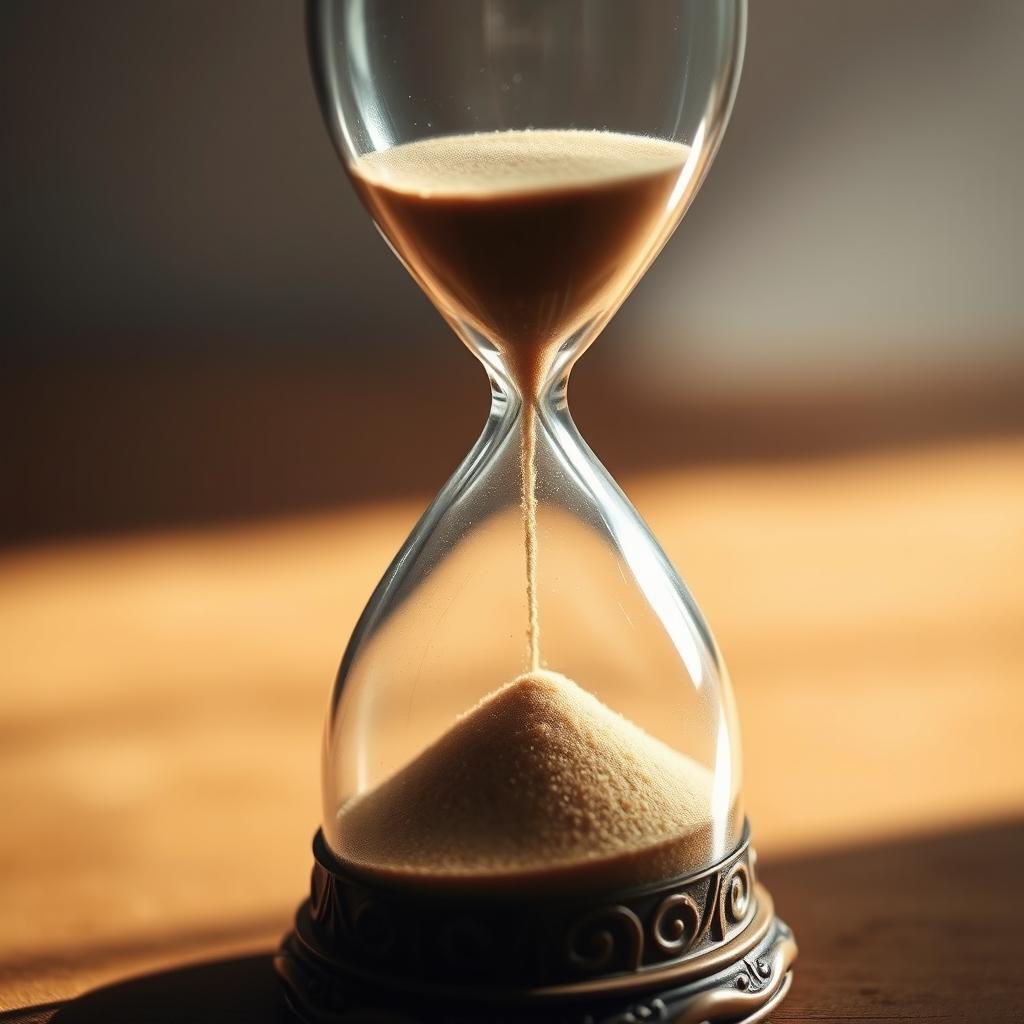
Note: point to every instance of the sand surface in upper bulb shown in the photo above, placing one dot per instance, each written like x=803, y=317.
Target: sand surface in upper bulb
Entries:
x=486, y=163
x=539, y=783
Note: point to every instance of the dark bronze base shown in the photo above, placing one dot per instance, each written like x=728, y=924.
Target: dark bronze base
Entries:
x=703, y=948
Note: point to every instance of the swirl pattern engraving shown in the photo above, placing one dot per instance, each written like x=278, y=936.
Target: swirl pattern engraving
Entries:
x=737, y=893
x=607, y=939
x=440, y=937
x=676, y=923
x=743, y=987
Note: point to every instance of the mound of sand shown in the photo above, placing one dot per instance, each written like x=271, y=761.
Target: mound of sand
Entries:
x=539, y=783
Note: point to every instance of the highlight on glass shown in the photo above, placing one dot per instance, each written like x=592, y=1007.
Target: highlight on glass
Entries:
x=532, y=725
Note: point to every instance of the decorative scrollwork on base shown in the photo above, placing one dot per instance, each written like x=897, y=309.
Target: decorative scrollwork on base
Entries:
x=427, y=934
x=676, y=923
x=737, y=894
x=745, y=988
x=606, y=939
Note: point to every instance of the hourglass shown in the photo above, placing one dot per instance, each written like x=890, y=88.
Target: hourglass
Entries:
x=531, y=765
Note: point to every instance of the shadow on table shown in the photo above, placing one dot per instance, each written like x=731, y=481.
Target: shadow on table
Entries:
x=243, y=989
x=924, y=928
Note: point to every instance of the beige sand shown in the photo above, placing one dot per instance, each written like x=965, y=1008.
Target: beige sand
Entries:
x=493, y=163
x=539, y=784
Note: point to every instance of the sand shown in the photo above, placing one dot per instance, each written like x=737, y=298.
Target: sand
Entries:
x=539, y=785
x=488, y=163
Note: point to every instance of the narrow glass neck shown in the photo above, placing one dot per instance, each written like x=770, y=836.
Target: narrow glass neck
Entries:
x=516, y=379
x=507, y=400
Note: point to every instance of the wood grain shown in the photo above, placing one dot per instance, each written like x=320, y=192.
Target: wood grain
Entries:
x=161, y=702
x=923, y=929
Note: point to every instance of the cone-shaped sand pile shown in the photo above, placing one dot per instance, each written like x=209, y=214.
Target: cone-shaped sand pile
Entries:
x=539, y=784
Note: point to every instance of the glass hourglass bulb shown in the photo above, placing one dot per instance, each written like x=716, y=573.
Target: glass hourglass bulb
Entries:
x=531, y=764
x=531, y=694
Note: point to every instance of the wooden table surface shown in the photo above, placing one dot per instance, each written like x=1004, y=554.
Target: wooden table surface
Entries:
x=161, y=701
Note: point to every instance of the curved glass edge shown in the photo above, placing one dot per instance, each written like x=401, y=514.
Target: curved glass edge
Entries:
x=583, y=490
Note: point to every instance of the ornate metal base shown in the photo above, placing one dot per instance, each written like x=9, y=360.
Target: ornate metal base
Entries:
x=706, y=947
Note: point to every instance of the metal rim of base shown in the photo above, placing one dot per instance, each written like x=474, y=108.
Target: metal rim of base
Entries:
x=742, y=980
x=313, y=989
x=428, y=937
x=702, y=948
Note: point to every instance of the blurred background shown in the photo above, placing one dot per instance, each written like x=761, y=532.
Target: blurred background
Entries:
x=199, y=321
x=223, y=404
